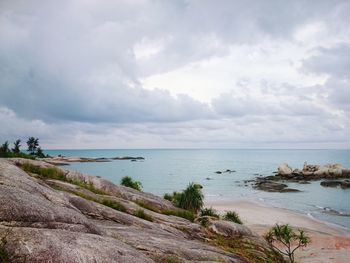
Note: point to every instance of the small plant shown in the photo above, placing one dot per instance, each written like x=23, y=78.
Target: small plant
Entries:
x=113, y=204
x=4, y=255
x=233, y=217
x=179, y=213
x=57, y=174
x=209, y=212
x=173, y=259
x=141, y=214
x=204, y=221
x=47, y=172
x=129, y=182
x=284, y=235
x=146, y=205
x=191, y=198
x=168, y=197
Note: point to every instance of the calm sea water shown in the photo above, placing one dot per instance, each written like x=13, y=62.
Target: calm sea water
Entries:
x=171, y=170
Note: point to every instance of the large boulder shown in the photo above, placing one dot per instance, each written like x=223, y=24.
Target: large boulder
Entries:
x=41, y=224
x=284, y=170
x=229, y=229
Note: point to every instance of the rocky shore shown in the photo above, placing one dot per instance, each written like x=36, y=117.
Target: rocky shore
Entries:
x=55, y=215
x=332, y=175
x=65, y=160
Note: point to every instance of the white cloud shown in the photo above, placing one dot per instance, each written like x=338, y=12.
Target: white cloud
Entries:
x=164, y=74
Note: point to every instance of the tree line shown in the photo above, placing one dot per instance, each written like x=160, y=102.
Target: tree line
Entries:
x=33, y=148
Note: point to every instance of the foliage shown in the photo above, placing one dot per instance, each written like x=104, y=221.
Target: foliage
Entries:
x=191, y=198
x=47, y=172
x=4, y=149
x=233, y=217
x=4, y=255
x=16, y=146
x=168, y=197
x=284, y=235
x=113, y=204
x=209, y=212
x=173, y=259
x=147, y=205
x=249, y=249
x=179, y=213
x=33, y=144
x=204, y=221
x=141, y=214
x=57, y=174
x=129, y=182
x=40, y=153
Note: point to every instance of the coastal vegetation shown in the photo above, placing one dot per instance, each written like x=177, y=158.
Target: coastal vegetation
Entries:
x=284, y=235
x=233, y=217
x=34, y=149
x=129, y=182
x=4, y=255
x=209, y=212
x=191, y=198
x=141, y=214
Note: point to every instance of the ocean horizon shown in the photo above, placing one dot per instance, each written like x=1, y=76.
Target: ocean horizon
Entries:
x=168, y=170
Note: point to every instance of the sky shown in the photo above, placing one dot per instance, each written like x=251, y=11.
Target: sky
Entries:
x=176, y=74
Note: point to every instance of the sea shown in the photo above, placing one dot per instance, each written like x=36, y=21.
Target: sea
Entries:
x=168, y=170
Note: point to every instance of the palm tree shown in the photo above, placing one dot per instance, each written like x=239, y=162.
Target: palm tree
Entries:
x=33, y=144
x=4, y=149
x=16, y=146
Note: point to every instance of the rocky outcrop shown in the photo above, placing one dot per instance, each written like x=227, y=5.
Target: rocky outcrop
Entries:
x=65, y=160
x=270, y=184
x=284, y=170
x=332, y=183
x=310, y=172
x=46, y=220
x=128, y=158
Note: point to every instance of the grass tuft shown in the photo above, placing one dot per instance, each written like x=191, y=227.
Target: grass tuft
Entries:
x=113, y=204
x=141, y=214
x=179, y=213
x=209, y=212
x=233, y=217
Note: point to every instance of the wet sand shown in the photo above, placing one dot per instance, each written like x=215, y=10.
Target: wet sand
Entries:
x=330, y=243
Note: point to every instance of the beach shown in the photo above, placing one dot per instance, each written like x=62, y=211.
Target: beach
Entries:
x=329, y=243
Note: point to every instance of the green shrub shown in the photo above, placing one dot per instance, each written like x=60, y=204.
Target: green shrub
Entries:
x=113, y=204
x=57, y=174
x=4, y=255
x=173, y=259
x=129, y=182
x=47, y=172
x=233, y=216
x=179, y=213
x=204, y=221
x=141, y=214
x=146, y=205
x=191, y=198
x=209, y=212
x=283, y=235
x=168, y=197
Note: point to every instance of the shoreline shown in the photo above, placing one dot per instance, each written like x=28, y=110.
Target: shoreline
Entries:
x=330, y=242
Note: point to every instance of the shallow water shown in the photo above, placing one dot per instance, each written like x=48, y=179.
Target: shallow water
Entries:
x=170, y=170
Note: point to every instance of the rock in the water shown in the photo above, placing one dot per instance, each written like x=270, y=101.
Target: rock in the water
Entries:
x=285, y=170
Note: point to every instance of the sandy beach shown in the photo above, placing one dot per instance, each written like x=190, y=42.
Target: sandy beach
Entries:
x=330, y=243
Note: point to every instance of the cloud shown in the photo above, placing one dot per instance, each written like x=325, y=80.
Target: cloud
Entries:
x=334, y=61
x=74, y=68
